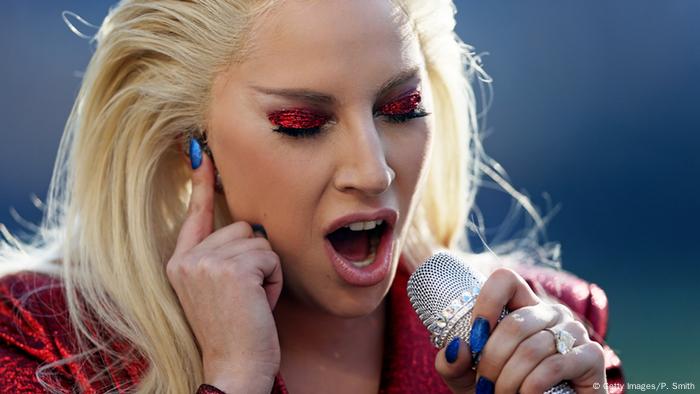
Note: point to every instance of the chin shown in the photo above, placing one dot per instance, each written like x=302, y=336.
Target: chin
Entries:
x=354, y=302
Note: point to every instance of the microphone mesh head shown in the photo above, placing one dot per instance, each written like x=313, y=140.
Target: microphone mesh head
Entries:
x=443, y=291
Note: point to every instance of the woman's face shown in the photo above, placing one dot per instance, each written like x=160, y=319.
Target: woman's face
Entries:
x=348, y=73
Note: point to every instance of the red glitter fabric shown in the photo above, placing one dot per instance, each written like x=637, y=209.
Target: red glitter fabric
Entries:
x=34, y=331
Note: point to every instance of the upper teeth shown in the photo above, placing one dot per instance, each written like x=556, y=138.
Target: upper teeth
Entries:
x=360, y=226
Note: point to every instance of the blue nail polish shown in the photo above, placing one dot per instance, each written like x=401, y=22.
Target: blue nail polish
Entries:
x=484, y=386
x=195, y=153
x=452, y=350
x=479, y=334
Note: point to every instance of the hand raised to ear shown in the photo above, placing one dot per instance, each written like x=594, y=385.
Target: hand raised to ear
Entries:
x=228, y=282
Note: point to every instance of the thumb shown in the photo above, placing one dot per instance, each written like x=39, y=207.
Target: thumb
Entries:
x=453, y=363
x=199, y=222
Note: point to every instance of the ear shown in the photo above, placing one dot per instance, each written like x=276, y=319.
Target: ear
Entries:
x=201, y=136
x=218, y=186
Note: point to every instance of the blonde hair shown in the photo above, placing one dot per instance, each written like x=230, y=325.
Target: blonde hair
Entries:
x=120, y=186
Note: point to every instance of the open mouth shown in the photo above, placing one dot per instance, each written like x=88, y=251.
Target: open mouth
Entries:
x=359, y=247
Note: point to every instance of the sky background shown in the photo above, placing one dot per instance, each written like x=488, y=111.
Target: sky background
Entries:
x=595, y=104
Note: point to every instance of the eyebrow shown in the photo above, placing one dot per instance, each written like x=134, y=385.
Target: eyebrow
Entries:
x=321, y=98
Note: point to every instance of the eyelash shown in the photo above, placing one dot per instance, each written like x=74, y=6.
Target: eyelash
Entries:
x=314, y=131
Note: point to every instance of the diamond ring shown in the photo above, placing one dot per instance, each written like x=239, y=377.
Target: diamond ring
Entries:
x=564, y=341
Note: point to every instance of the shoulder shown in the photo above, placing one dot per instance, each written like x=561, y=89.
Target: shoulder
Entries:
x=23, y=284
x=32, y=292
x=33, y=321
x=35, y=330
x=32, y=312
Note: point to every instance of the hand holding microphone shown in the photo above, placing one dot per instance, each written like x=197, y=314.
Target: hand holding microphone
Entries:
x=537, y=347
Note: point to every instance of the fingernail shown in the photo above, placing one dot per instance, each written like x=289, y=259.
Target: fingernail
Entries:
x=259, y=229
x=484, y=386
x=479, y=334
x=452, y=350
x=195, y=153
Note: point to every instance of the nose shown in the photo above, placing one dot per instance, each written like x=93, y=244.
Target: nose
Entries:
x=362, y=161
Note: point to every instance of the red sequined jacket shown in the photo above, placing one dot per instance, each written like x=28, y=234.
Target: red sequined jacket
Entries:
x=33, y=331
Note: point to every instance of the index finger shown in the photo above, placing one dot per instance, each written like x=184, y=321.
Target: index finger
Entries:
x=504, y=288
x=199, y=222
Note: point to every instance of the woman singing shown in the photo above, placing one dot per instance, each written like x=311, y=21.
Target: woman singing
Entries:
x=241, y=192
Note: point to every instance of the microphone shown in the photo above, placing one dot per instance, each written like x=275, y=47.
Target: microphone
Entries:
x=443, y=292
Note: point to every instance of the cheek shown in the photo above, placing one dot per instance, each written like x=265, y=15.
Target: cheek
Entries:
x=266, y=183
x=411, y=159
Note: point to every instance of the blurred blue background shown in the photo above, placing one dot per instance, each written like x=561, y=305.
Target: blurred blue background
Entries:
x=595, y=103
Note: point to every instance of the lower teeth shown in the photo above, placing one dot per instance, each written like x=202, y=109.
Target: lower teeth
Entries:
x=373, y=242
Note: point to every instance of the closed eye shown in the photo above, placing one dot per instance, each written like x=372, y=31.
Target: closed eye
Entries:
x=313, y=131
x=400, y=118
x=301, y=123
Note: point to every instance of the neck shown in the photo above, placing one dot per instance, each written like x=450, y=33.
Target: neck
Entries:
x=314, y=342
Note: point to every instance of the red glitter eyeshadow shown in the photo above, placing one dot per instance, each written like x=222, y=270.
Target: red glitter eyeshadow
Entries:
x=401, y=106
x=297, y=118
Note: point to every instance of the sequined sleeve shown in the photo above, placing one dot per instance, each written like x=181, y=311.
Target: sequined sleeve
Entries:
x=17, y=373
x=25, y=344
x=34, y=331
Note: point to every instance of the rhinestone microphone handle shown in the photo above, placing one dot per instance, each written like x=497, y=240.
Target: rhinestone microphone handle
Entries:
x=443, y=291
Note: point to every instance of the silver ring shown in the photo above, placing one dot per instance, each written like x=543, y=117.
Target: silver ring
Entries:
x=563, y=340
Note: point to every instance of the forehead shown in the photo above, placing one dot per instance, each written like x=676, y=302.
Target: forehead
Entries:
x=328, y=38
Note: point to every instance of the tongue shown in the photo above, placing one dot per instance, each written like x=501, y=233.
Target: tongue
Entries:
x=353, y=245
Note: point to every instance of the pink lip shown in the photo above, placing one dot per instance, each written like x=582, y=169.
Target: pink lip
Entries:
x=379, y=268
x=387, y=214
x=370, y=275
